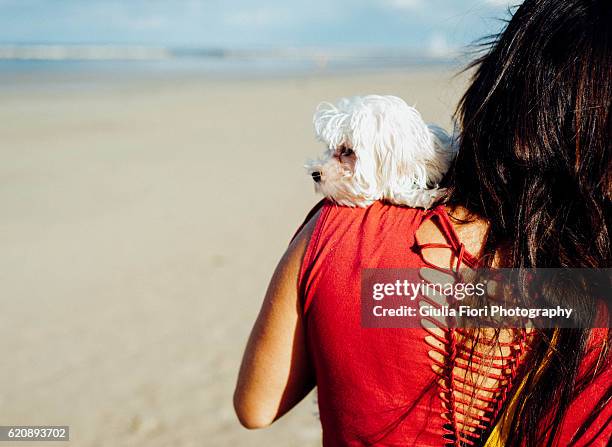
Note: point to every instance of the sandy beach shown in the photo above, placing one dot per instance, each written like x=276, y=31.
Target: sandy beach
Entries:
x=141, y=221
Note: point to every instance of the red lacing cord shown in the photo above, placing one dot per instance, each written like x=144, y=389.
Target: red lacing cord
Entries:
x=459, y=436
x=460, y=258
x=452, y=352
x=452, y=339
x=451, y=392
x=518, y=353
x=431, y=265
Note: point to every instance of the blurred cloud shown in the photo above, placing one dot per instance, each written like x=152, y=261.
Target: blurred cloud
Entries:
x=438, y=45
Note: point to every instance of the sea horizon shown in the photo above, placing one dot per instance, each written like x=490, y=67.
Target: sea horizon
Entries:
x=41, y=63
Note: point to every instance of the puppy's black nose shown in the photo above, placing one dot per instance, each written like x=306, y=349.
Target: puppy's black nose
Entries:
x=316, y=176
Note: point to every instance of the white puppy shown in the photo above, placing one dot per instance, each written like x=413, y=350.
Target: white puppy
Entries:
x=379, y=148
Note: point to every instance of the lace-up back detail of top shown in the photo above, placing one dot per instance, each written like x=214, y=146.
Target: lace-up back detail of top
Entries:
x=425, y=386
x=475, y=369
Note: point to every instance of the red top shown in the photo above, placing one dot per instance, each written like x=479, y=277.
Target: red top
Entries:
x=393, y=386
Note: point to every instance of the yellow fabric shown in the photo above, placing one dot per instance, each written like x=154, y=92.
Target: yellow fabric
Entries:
x=499, y=434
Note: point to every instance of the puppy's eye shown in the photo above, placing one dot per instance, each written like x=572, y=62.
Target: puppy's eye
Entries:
x=346, y=152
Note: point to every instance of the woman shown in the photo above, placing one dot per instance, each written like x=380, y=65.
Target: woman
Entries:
x=530, y=187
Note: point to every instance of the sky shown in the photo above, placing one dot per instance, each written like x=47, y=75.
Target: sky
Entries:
x=435, y=25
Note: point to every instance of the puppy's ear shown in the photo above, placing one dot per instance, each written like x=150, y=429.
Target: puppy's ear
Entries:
x=406, y=137
x=404, y=150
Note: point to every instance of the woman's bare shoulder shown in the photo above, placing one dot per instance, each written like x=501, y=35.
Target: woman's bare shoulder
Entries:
x=297, y=248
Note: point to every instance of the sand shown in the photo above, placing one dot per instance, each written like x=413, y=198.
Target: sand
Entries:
x=140, y=223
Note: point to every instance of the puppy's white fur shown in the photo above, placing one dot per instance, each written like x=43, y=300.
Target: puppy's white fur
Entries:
x=379, y=148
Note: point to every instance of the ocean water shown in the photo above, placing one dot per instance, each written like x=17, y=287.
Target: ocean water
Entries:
x=85, y=67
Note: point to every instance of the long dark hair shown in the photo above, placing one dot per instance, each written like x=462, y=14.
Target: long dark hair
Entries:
x=534, y=161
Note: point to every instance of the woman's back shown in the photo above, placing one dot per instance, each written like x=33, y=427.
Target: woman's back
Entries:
x=392, y=386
